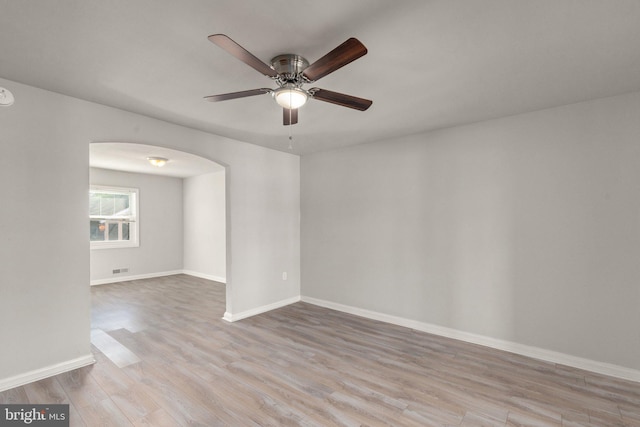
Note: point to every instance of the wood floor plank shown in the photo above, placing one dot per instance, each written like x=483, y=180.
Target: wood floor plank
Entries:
x=81, y=388
x=108, y=376
x=525, y=419
x=45, y=391
x=75, y=419
x=113, y=349
x=134, y=402
x=165, y=358
x=103, y=414
x=159, y=418
x=178, y=402
x=14, y=395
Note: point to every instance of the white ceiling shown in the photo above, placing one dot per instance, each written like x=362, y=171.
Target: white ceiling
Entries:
x=130, y=157
x=431, y=64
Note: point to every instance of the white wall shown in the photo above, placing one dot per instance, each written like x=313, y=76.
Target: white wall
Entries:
x=525, y=229
x=205, y=226
x=160, y=227
x=44, y=251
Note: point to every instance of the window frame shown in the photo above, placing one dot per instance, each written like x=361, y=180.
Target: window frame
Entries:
x=134, y=223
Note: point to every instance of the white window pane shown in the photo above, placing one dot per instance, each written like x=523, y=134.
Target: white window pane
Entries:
x=94, y=205
x=113, y=231
x=113, y=212
x=96, y=231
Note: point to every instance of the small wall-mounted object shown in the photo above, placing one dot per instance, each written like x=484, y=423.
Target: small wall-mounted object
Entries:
x=6, y=97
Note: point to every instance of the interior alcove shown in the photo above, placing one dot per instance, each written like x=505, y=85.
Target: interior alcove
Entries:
x=182, y=218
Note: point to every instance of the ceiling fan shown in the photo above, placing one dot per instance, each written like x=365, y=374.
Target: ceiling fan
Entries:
x=291, y=72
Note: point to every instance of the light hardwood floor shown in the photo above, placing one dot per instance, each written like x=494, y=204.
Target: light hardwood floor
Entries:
x=165, y=358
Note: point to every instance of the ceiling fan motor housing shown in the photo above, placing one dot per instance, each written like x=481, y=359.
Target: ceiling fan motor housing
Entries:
x=289, y=67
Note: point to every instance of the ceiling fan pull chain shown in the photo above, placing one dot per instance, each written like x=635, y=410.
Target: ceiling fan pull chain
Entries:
x=290, y=135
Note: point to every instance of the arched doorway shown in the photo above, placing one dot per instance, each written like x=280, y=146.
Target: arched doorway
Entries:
x=181, y=220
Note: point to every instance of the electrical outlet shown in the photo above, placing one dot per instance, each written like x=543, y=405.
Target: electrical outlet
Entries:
x=284, y=275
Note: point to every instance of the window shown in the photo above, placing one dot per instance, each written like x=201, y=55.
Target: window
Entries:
x=113, y=215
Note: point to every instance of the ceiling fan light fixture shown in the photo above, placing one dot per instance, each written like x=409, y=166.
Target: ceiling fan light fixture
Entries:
x=157, y=161
x=290, y=97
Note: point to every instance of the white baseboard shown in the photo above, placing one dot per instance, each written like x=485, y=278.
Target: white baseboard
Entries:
x=524, y=350
x=49, y=371
x=229, y=317
x=205, y=276
x=122, y=278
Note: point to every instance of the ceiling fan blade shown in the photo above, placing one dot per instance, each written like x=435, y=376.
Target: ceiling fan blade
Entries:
x=289, y=117
x=347, y=52
x=242, y=54
x=235, y=95
x=340, y=99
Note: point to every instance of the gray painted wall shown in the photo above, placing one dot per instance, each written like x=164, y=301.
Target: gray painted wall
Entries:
x=524, y=229
x=44, y=250
x=204, y=225
x=160, y=211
